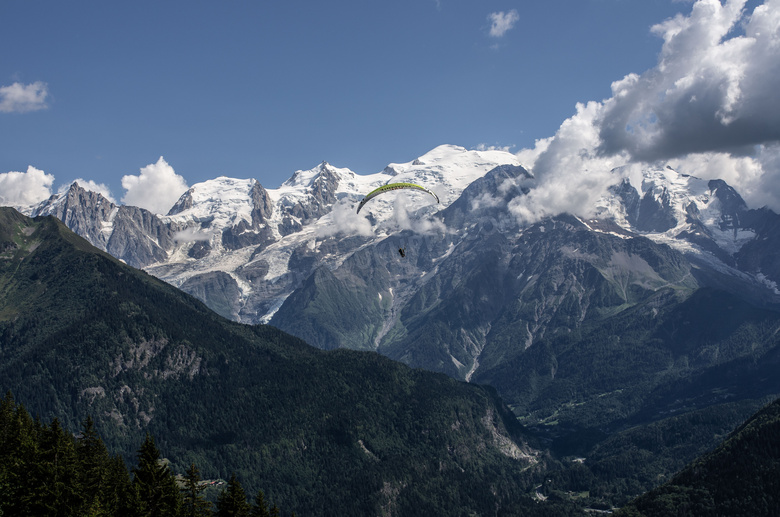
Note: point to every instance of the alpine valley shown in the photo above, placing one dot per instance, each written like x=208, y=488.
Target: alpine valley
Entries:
x=627, y=343
x=321, y=433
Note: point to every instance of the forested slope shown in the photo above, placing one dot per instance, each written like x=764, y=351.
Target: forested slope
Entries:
x=82, y=334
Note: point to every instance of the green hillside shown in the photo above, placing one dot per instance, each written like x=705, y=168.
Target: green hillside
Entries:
x=628, y=401
x=82, y=334
x=740, y=477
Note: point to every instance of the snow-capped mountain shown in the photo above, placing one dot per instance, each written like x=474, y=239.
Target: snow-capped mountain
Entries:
x=300, y=257
x=243, y=248
x=707, y=221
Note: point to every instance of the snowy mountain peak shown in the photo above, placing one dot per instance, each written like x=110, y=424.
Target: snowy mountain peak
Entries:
x=683, y=211
x=223, y=201
x=449, y=169
x=75, y=196
x=307, y=178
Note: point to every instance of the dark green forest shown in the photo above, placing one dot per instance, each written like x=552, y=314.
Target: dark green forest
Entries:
x=637, y=396
x=82, y=334
x=740, y=477
x=45, y=470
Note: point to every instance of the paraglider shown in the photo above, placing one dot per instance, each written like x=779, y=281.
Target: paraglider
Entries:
x=393, y=186
x=390, y=187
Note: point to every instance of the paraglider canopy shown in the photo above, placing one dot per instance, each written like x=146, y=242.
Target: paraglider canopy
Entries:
x=393, y=186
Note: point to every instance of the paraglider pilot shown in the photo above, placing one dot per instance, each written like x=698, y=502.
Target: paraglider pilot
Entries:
x=402, y=251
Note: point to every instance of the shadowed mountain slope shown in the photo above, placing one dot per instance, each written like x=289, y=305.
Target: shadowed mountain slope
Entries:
x=83, y=334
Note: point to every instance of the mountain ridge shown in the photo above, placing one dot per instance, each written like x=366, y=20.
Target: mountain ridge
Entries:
x=83, y=334
x=246, y=250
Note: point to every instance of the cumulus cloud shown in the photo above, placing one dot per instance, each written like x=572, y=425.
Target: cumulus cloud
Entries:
x=156, y=188
x=501, y=22
x=709, y=91
x=570, y=176
x=22, y=189
x=20, y=98
x=709, y=105
x=756, y=177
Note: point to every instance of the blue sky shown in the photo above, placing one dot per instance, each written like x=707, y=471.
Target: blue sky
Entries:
x=100, y=90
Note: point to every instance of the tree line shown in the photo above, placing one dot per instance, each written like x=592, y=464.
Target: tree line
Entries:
x=45, y=470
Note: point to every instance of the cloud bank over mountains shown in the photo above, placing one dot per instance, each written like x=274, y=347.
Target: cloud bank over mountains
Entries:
x=709, y=107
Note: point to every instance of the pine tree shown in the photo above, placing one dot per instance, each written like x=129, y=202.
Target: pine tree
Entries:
x=8, y=450
x=232, y=500
x=260, y=508
x=93, y=461
x=195, y=505
x=154, y=483
x=18, y=454
x=120, y=496
x=55, y=471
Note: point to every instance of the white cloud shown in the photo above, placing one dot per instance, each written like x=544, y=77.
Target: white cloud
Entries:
x=710, y=91
x=710, y=105
x=191, y=235
x=406, y=217
x=486, y=147
x=501, y=22
x=756, y=178
x=22, y=189
x=20, y=98
x=569, y=174
x=156, y=188
x=344, y=221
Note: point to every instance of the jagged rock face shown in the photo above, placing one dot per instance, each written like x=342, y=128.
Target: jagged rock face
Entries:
x=262, y=205
x=655, y=211
x=129, y=233
x=199, y=250
x=256, y=232
x=442, y=313
x=84, y=212
x=629, y=199
x=244, y=235
x=184, y=203
x=126, y=242
x=320, y=197
x=761, y=256
x=219, y=288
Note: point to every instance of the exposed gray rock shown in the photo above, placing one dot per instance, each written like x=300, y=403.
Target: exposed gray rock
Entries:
x=219, y=291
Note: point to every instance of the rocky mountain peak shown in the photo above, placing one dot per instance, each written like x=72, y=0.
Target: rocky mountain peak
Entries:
x=184, y=203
